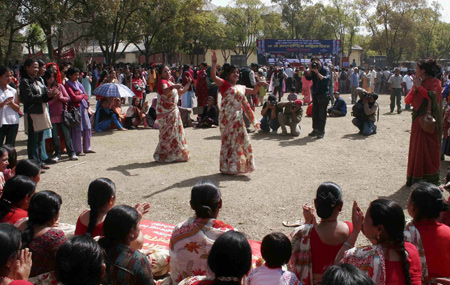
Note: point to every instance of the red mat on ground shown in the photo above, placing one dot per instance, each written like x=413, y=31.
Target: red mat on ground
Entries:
x=157, y=235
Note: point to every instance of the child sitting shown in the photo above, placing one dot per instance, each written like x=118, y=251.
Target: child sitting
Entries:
x=276, y=250
x=136, y=114
x=104, y=116
x=210, y=114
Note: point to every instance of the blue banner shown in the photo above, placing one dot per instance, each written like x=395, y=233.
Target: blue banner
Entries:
x=270, y=46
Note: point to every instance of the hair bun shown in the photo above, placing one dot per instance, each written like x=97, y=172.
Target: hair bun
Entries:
x=327, y=199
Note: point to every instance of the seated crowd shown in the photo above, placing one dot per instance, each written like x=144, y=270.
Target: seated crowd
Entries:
x=107, y=246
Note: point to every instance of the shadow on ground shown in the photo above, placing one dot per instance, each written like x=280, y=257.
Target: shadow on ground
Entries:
x=216, y=178
x=400, y=196
x=297, y=142
x=124, y=169
x=354, y=137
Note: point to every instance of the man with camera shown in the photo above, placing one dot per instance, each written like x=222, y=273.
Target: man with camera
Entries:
x=364, y=112
x=319, y=90
x=291, y=115
x=270, y=112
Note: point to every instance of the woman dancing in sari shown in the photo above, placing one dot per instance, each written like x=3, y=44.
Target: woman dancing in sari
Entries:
x=424, y=147
x=172, y=144
x=236, y=154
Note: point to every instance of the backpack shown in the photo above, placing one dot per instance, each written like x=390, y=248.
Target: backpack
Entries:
x=358, y=111
x=343, y=76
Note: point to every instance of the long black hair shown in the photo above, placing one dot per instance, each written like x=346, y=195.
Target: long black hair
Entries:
x=79, y=261
x=390, y=214
x=117, y=225
x=428, y=200
x=230, y=257
x=28, y=167
x=205, y=199
x=15, y=190
x=99, y=193
x=48, y=74
x=44, y=206
x=430, y=66
x=12, y=155
x=23, y=71
x=345, y=274
x=328, y=197
x=9, y=242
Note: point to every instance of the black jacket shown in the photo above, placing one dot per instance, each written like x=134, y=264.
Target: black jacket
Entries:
x=319, y=87
x=33, y=93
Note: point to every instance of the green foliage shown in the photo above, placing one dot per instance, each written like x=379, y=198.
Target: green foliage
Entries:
x=79, y=62
x=399, y=29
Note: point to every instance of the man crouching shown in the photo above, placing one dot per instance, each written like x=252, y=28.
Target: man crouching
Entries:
x=364, y=112
x=291, y=115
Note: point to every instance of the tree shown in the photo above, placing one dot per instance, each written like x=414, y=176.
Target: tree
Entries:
x=13, y=18
x=344, y=21
x=33, y=38
x=156, y=16
x=54, y=18
x=392, y=26
x=433, y=34
x=203, y=34
x=112, y=24
x=244, y=24
x=292, y=14
x=273, y=27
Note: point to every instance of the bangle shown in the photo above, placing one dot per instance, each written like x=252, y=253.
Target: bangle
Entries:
x=346, y=243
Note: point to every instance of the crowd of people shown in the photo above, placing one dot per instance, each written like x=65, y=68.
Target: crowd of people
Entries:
x=108, y=244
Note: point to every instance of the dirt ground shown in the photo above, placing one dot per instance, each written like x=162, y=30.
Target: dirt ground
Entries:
x=288, y=171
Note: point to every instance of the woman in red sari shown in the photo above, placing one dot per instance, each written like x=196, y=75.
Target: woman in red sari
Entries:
x=424, y=148
x=201, y=88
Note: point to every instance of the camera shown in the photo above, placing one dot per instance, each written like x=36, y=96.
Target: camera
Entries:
x=314, y=65
x=367, y=95
x=272, y=103
x=293, y=105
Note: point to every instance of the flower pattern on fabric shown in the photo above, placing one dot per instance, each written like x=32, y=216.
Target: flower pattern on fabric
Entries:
x=236, y=154
x=197, y=280
x=190, y=244
x=301, y=258
x=172, y=144
x=369, y=259
x=412, y=235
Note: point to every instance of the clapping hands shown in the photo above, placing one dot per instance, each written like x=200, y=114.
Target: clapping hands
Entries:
x=142, y=209
x=357, y=217
x=308, y=214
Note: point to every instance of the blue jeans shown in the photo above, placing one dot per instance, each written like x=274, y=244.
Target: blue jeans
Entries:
x=267, y=123
x=366, y=127
x=104, y=125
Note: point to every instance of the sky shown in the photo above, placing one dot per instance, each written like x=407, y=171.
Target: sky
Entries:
x=444, y=3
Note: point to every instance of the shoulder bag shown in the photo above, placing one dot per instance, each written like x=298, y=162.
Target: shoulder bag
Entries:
x=428, y=122
x=71, y=118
